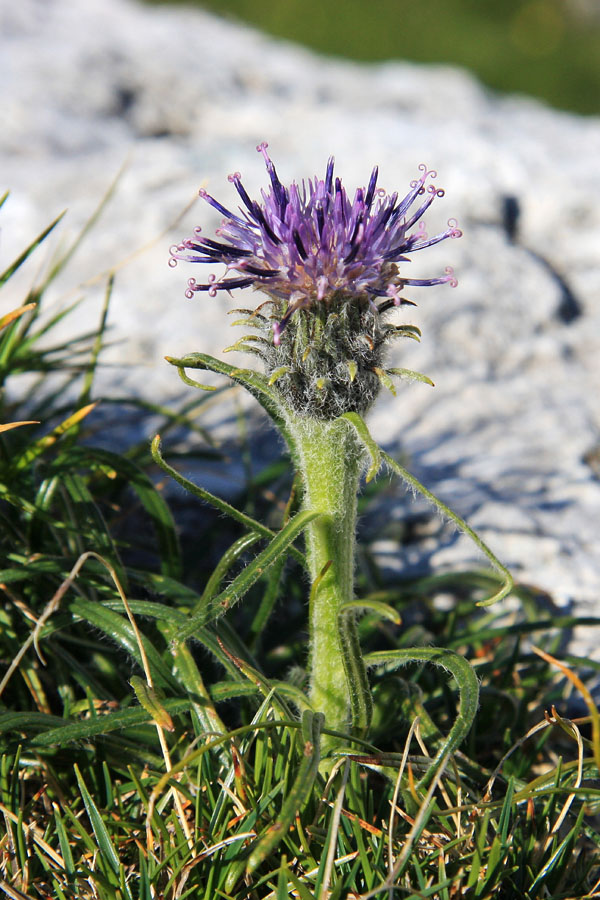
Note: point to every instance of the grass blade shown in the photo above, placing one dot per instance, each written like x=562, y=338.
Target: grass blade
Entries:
x=105, y=845
x=29, y=250
x=312, y=723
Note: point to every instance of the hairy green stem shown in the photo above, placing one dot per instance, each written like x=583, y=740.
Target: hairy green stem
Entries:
x=329, y=457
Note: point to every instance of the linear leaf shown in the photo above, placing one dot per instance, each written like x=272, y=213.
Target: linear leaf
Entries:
x=151, y=500
x=385, y=380
x=29, y=250
x=65, y=847
x=411, y=374
x=39, y=446
x=244, y=581
x=312, y=723
x=255, y=383
x=120, y=630
x=365, y=436
x=468, y=687
x=27, y=721
x=89, y=728
x=105, y=844
x=148, y=698
x=229, y=558
x=222, y=505
x=416, y=485
x=383, y=609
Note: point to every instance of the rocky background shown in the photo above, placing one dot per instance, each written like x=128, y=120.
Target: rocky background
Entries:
x=510, y=435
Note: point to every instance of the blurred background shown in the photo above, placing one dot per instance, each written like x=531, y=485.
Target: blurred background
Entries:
x=547, y=48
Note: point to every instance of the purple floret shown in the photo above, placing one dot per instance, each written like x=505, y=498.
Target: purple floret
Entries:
x=308, y=243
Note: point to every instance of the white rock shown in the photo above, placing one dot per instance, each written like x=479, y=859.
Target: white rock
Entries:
x=183, y=98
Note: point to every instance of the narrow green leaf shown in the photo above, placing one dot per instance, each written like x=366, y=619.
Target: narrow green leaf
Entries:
x=79, y=830
x=29, y=250
x=254, y=382
x=247, y=322
x=105, y=845
x=301, y=888
x=27, y=349
x=38, y=447
x=60, y=895
x=220, y=505
x=148, y=698
x=495, y=855
x=276, y=374
x=173, y=619
x=383, y=609
x=253, y=314
x=244, y=344
x=352, y=368
x=229, y=558
x=244, y=581
x=192, y=382
x=365, y=436
x=412, y=375
x=416, y=485
x=312, y=723
x=267, y=604
x=468, y=687
x=410, y=331
x=573, y=834
x=90, y=728
x=385, y=380
x=27, y=721
x=65, y=847
x=149, y=609
x=194, y=684
x=504, y=822
x=282, y=880
x=266, y=688
x=124, y=886
x=145, y=890
x=119, y=629
x=481, y=832
x=229, y=690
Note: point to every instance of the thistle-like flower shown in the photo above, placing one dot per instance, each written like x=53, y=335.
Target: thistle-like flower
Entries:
x=330, y=270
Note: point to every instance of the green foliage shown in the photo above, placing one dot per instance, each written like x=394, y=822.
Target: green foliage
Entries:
x=135, y=765
x=539, y=47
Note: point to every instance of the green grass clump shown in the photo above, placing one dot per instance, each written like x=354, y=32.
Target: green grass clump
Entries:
x=136, y=765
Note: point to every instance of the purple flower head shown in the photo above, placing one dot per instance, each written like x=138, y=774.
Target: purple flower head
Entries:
x=309, y=244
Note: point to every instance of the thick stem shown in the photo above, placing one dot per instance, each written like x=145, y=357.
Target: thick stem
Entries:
x=329, y=459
